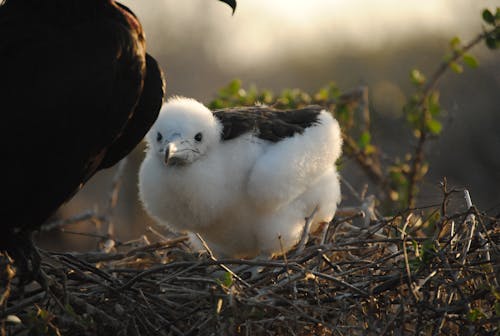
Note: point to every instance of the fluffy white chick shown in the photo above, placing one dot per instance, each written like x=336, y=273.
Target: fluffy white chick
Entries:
x=244, y=179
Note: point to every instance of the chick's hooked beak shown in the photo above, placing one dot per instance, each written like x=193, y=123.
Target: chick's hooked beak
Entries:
x=169, y=149
x=175, y=154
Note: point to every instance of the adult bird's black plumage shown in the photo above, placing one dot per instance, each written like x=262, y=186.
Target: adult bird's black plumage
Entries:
x=231, y=3
x=77, y=93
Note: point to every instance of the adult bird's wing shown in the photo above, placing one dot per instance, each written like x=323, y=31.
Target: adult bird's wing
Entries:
x=303, y=145
x=72, y=73
x=145, y=114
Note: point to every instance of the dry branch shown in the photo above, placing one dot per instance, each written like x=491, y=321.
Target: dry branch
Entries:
x=384, y=279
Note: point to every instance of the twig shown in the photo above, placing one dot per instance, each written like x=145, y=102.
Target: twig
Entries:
x=115, y=186
x=372, y=170
x=305, y=231
x=470, y=221
x=418, y=157
x=411, y=286
x=84, y=216
x=224, y=267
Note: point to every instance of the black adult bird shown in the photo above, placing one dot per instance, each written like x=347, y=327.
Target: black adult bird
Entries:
x=77, y=93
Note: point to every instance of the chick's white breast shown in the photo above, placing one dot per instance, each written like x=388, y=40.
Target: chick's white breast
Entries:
x=205, y=194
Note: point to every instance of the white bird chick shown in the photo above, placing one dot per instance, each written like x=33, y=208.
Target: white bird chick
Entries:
x=244, y=179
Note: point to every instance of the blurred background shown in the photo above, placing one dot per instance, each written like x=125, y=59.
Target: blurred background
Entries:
x=306, y=44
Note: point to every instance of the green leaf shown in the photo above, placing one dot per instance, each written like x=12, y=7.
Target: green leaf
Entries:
x=417, y=77
x=475, y=315
x=328, y=92
x=321, y=95
x=492, y=42
x=428, y=251
x=416, y=248
x=455, y=43
x=226, y=279
x=470, y=61
x=433, y=103
x=488, y=17
x=434, y=126
x=342, y=113
x=397, y=177
x=495, y=293
x=447, y=58
x=370, y=149
x=364, y=139
x=457, y=68
x=266, y=97
x=216, y=104
x=234, y=86
x=43, y=314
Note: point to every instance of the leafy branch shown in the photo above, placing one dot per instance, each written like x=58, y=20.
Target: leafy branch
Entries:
x=423, y=109
x=399, y=179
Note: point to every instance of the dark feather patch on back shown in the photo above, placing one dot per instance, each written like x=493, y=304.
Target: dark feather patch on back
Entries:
x=265, y=122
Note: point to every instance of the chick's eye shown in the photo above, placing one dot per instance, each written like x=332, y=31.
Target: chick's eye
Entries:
x=159, y=137
x=198, y=137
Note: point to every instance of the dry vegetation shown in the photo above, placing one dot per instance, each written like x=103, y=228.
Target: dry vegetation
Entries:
x=413, y=274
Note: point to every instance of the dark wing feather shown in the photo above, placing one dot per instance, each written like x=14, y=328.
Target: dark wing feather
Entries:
x=231, y=3
x=72, y=73
x=265, y=122
x=143, y=118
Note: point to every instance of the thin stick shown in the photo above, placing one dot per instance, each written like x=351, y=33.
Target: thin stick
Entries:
x=224, y=267
x=471, y=222
x=305, y=232
x=407, y=263
x=82, y=217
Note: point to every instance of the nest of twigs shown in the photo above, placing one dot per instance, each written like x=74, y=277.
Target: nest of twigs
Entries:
x=408, y=275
